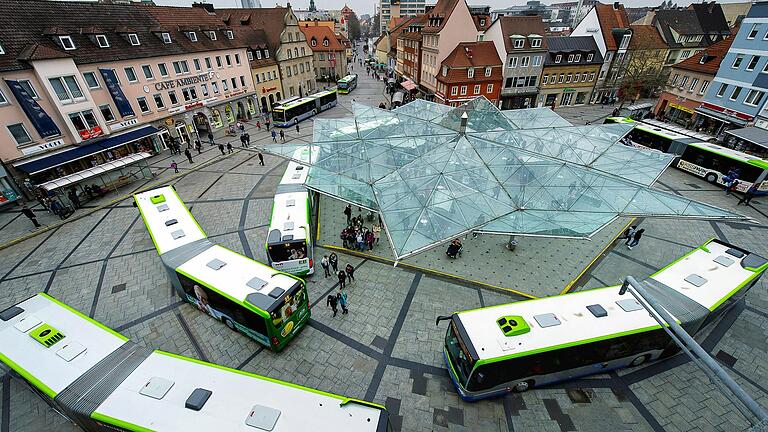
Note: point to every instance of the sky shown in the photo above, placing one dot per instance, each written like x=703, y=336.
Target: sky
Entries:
x=366, y=6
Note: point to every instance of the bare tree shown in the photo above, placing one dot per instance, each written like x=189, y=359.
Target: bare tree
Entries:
x=641, y=74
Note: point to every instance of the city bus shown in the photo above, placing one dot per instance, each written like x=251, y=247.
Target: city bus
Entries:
x=289, y=242
x=347, y=84
x=295, y=110
x=648, y=136
x=267, y=305
x=514, y=347
x=104, y=382
x=713, y=162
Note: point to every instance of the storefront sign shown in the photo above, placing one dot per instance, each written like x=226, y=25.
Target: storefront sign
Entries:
x=192, y=105
x=267, y=90
x=762, y=124
x=91, y=133
x=169, y=121
x=726, y=111
x=41, y=147
x=236, y=93
x=8, y=195
x=681, y=108
x=568, y=90
x=124, y=124
x=183, y=82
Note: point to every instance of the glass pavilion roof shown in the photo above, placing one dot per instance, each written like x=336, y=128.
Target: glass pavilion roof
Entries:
x=523, y=172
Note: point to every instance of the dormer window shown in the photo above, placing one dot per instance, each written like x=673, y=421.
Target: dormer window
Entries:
x=313, y=42
x=590, y=56
x=703, y=59
x=230, y=34
x=625, y=41
x=482, y=22
x=577, y=58
x=535, y=43
x=518, y=43
x=487, y=71
x=471, y=73
x=192, y=36
x=133, y=38
x=558, y=58
x=212, y=35
x=2, y=51
x=325, y=42
x=266, y=53
x=102, y=41
x=67, y=43
x=570, y=58
x=166, y=37
x=445, y=70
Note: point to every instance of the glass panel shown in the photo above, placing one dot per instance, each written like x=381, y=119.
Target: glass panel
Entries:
x=73, y=87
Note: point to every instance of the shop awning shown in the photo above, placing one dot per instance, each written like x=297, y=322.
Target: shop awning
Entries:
x=54, y=160
x=720, y=117
x=398, y=97
x=754, y=135
x=408, y=85
x=640, y=106
x=93, y=172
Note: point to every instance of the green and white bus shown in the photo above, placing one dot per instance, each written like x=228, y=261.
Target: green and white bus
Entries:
x=648, y=136
x=713, y=162
x=289, y=242
x=347, y=84
x=251, y=298
x=293, y=111
x=103, y=382
x=514, y=347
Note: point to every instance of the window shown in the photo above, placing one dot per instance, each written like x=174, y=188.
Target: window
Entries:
x=147, y=69
x=215, y=88
x=204, y=89
x=102, y=41
x=249, y=54
x=489, y=88
x=584, y=77
x=302, y=67
x=325, y=42
x=166, y=37
x=519, y=43
x=463, y=90
x=535, y=43
x=163, y=70
x=577, y=58
x=224, y=85
x=685, y=54
x=133, y=39
x=753, y=98
x=545, y=79
x=721, y=90
x=487, y=71
x=237, y=59
x=313, y=42
x=477, y=89
x=3, y=100
x=735, y=93
x=674, y=79
x=737, y=61
x=591, y=76
x=266, y=53
x=558, y=58
x=173, y=98
x=693, y=84
x=684, y=81
x=212, y=35
x=208, y=63
x=568, y=78
x=570, y=58
x=525, y=61
x=242, y=80
x=228, y=59
x=106, y=112
x=130, y=74
x=20, y=134
x=84, y=122
x=192, y=36
x=143, y=105
x=90, y=80
x=445, y=70
x=513, y=62
x=189, y=94
x=590, y=56
x=289, y=71
x=181, y=67
x=752, y=32
x=66, y=88
x=482, y=22
x=67, y=43
x=218, y=62
x=753, y=63
x=704, y=86
x=471, y=73
x=158, y=101
x=196, y=62
x=230, y=34
x=454, y=90
x=536, y=60
x=562, y=78
x=625, y=41
x=234, y=83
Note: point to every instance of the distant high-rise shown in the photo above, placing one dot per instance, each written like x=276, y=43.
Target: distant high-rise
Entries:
x=250, y=3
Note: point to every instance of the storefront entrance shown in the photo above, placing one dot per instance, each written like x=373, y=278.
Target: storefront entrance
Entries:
x=201, y=124
x=181, y=130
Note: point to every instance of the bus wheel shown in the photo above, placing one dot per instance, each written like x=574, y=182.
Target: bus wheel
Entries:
x=639, y=360
x=522, y=386
x=711, y=177
x=229, y=324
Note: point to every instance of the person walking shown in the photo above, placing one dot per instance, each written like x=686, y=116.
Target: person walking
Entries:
x=325, y=264
x=628, y=234
x=297, y=126
x=175, y=167
x=198, y=147
x=247, y=139
x=261, y=159
x=334, y=261
x=72, y=195
x=350, y=272
x=748, y=195
x=258, y=124
x=188, y=155
x=241, y=127
x=274, y=136
x=342, y=298
x=268, y=124
x=360, y=241
x=210, y=139
x=636, y=239
x=732, y=187
x=282, y=135
x=242, y=140
x=332, y=301
x=348, y=213
x=342, y=278
x=229, y=148
x=26, y=211
x=221, y=148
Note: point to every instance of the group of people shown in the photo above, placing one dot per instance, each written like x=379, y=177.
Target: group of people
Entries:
x=333, y=301
x=632, y=235
x=356, y=236
x=454, y=249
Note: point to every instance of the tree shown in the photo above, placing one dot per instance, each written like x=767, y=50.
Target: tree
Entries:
x=376, y=26
x=354, y=26
x=642, y=74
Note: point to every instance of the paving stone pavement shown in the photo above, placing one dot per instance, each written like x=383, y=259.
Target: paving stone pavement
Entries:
x=388, y=348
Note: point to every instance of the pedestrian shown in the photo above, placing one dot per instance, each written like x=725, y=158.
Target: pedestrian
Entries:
x=332, y=301
x=628, y=234
x=241, y=127
x=26, y=211
x=258, y=125
x=334, y=261
x=360, y=241
x=348, y=213
x=247, y=139
x=56, y=207
x=73, y=197
x=274, y=136
x=242, y=140
x=636, y=238
x=325, y=264
x=297, y=126
x=261, y=159
x=268, y=123
x=376, y=233
x=350, y=272
x=282, y=135
x=198, y=147
x=342, y=278
x=210, y=139
x=369, y=239
x=175, y=167
x=188, y=155
x=732, y=187
x=229, y=148
x=748, y=195
x=342, y=298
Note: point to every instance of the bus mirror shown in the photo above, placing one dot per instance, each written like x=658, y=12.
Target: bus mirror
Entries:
x=441, y=318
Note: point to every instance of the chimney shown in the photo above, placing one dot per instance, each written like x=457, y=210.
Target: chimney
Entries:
x=464, y=119
x=616, y=5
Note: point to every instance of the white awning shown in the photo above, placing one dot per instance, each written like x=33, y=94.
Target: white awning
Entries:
x=92, y=172
x=640, y=106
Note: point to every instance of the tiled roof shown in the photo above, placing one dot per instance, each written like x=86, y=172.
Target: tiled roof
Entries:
x=646, y=37
x=319, y=34
x=524, y=26
x=440, y=14
x=256, y=39
x=27, y=29
x=611, y=19
x=575, y=44
x=711, y=18
x=714, y=56
x=271, y=20
x=473, y=54
x=416, y=22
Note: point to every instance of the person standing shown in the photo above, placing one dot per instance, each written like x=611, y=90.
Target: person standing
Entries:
x=348, y=213
x=342, y=298
x=360, y=241
x=748, y=195
x=636, y=238
x=229, y=148
x=175, y=167
x=210, y=139
x=242, y=140
x=325, y=264
x=261, y=159
x=282, y=135
x=188, y=155
x=268, y=124
x=274, y=135
x=297, y=126
x=350, y=272
x=258, y=124
x=240, y=127
x=332, y=302
x=198, y=147
x=26, y=211
x=247, y=139
x=342, y=278
x=73, y=197
x=732, y=187
x=221, y=148
x=334, y=261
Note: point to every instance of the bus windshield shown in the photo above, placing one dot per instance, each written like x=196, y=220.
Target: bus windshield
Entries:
x=278, y=115
x=458, y=354
x=287, y=251
x=342, y=84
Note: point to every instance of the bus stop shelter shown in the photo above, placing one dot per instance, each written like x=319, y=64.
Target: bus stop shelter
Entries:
x=112, y=174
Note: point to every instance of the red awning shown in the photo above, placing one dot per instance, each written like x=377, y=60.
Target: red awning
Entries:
x=408, y=85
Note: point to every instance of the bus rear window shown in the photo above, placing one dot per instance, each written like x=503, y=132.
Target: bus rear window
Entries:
x=459, y=356
x=289, y=304
x=287, y=251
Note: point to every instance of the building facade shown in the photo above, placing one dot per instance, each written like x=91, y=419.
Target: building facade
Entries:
x=264, y=67
x=471, y=70
x=393, y=9
x=520, y=42
x=330, y=56
x=688, y=31
x=570, y=71
x=409, y=40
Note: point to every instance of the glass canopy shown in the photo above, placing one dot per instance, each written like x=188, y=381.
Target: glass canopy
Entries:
x=434, y=172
